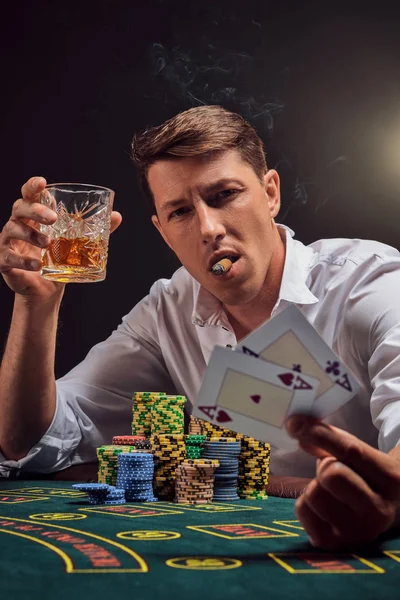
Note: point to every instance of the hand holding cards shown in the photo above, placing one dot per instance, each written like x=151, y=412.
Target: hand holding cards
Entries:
x=282, y=368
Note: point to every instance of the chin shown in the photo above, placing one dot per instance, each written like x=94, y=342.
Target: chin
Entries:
x=238, y=296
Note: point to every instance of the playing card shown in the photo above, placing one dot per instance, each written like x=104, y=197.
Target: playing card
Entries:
x=289, y=340
x=253, y=397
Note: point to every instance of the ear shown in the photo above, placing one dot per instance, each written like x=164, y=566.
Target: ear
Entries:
x=157, y=225
x=273, y=191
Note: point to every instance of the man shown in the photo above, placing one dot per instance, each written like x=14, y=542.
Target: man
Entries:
x=213, y=196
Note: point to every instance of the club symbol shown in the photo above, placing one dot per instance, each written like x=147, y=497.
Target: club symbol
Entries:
x=296, y=368
x=333, y=367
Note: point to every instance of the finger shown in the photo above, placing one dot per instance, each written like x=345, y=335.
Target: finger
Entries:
x=12, y=260
x=313, y=450
x=379, y=469
x=116, y=219
x=15, y=229
x=340, y=517
x=350, y=489
x=33, y=211
x=320, y=532
x=33, y=187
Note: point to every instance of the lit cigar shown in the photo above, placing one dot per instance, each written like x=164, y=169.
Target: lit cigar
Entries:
x=222, y=266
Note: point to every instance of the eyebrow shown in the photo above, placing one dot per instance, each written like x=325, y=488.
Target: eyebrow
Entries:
x=207, y=190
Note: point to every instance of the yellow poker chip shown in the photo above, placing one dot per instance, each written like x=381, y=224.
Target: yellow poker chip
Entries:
x=171, y=457
x=262, y=460
x=140, y=395
x=167, y=419
x=167, y=424
x=167, y=443
x=254, y=453
x=167, y=437
x=222, y=439
x=177, y=452
x=255, y=467
x=172, y=397
x=251, y=490
x=171, y=453
x=258, y=496
x=243, y=483
x=255, y=457
x=255, y=446
x=253, y=471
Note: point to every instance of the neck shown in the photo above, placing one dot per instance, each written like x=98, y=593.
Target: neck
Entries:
x=245, y=318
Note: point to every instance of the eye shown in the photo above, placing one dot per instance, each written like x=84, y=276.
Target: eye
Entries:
x=179, y=212
x=223, y=195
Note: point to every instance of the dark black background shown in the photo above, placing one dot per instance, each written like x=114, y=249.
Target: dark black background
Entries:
x=319, y=80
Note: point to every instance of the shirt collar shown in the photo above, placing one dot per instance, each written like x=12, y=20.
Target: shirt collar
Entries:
x=208, y=310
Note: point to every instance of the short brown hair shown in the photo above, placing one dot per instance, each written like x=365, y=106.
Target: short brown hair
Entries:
x=199, y=130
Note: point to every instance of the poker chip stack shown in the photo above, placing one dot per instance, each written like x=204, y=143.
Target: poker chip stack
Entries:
x=194, y=445
x=158, y=458
x=226, y=450
x=254, y=459
x=198, y=426
x=195, y=481
x=135, y=476
x=253, y=469
x=169, y=451
x=100, y=493
x=108, y=462
x=141, y=412
x=167, y=415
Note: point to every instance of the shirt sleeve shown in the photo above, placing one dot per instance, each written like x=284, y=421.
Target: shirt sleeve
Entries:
x=373, y=320
x=94, y=400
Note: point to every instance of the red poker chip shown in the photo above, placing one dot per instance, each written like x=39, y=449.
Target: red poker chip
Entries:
x=127, y=440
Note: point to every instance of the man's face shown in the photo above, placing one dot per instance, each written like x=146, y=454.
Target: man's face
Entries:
x=208, y=207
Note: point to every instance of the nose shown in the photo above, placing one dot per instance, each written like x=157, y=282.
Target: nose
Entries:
x=210, y=223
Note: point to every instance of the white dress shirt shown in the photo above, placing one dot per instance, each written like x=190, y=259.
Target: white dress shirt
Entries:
x=349, y=290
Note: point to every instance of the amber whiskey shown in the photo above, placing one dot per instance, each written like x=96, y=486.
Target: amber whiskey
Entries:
x=78, y=259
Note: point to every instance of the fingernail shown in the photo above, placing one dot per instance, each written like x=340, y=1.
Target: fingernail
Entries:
x=296, y=426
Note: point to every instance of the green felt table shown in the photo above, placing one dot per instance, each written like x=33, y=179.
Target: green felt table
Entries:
x=53, y=544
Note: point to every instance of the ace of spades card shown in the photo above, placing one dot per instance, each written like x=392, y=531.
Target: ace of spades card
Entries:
x=289, y=340
x=253, y=397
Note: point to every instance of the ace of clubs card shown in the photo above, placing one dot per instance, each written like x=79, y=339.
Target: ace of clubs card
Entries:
x=289, y=340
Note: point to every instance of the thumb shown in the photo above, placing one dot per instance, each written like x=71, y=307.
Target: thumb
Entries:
x=116, y=220
x=300, y=427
